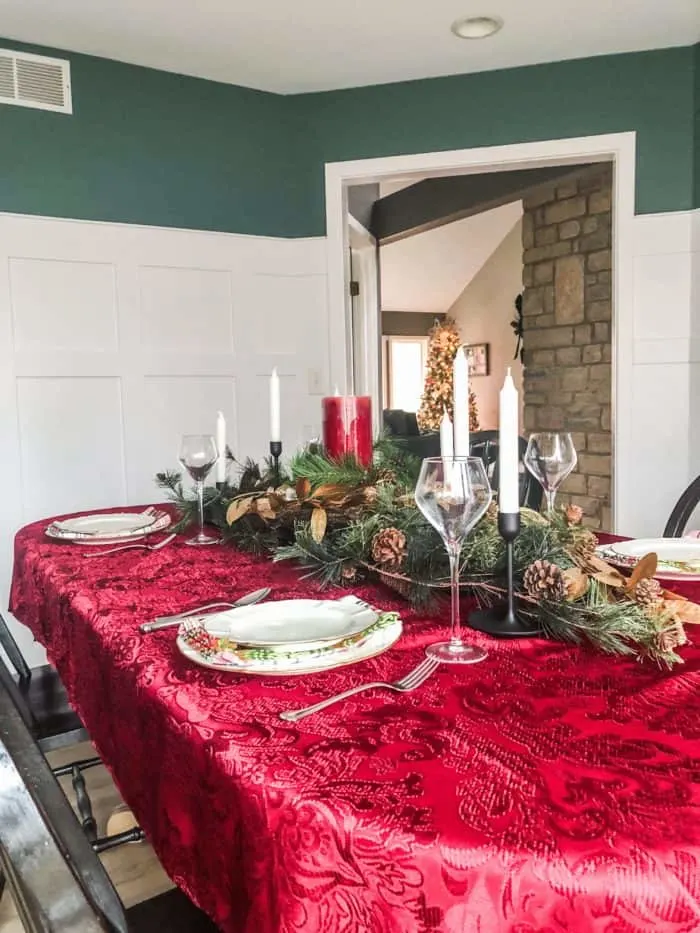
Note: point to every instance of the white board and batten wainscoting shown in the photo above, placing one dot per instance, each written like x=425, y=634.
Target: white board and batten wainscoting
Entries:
x=117, y=339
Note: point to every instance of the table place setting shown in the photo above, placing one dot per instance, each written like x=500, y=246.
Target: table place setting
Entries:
x=677, y=558
x=289, y=637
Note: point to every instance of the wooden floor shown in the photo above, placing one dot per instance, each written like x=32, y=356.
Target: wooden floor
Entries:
x=134, y=868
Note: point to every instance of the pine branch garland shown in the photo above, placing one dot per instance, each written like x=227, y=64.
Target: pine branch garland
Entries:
x=369, y=516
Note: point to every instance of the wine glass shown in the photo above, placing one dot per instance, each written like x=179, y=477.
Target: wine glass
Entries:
x=198, y=454
x=453, y=493
x=550, y=457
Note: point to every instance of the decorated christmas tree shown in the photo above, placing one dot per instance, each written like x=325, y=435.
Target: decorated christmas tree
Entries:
x=437, y=392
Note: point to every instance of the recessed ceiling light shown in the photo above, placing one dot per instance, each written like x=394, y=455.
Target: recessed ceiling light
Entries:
x=476, y=27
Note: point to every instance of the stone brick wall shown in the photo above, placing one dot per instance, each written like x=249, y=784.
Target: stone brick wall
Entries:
x=567, y=317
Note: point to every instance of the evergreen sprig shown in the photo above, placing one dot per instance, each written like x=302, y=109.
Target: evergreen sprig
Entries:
x=381, y=497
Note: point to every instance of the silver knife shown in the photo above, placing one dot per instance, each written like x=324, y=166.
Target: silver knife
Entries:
x=167, y=621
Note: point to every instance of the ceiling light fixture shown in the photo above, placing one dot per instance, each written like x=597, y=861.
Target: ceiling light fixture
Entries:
x=476, y=27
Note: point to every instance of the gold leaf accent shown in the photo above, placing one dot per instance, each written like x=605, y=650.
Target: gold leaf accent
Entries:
x=610, y=577
x=644, y=569
x=575, y=583
x=238, y=508
x=319, y=520
x=303, y=488
x=329, y=491
x=683, y=609
x=263, y=506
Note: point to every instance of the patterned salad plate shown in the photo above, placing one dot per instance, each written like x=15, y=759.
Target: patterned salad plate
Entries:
x=109, y=527
x=679, y=558
x=298, y=636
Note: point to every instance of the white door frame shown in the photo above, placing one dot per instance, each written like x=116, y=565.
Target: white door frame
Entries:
x=366, y=336
x=618, y=148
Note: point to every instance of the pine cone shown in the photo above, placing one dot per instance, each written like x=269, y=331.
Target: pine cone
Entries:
x=389, y=548
x=584, y=545
x=648, y=594
x=544, y=580
x=349, y=574
x=386, y=477
x=673, y=636
x=573, y=514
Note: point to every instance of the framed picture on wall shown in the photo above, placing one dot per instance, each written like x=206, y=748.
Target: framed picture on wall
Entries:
x=478, y=356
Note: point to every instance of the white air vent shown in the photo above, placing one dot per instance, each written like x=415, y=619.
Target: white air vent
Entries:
x=35, y=81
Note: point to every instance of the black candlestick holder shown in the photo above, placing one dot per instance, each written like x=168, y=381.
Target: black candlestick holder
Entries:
x=276, y=453
x=502, y=620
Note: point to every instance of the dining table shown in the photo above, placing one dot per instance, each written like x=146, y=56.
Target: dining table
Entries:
x=548, y=788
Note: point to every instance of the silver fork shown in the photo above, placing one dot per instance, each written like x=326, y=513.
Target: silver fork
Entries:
x=132, y=547
x=412, y=680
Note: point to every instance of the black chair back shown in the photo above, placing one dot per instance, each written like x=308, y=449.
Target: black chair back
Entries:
x=682, y=510
x=11, y=649
x=484, y=444
x=57, y=881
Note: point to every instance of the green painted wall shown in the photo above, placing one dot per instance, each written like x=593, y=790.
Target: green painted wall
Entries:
x=150, y=147
x=650, y=92
x=146, y=146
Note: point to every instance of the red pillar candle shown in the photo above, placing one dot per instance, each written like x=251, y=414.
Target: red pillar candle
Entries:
x=347, y=427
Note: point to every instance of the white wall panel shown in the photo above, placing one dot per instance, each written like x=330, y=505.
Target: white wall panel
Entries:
x=664, y=445
x=70, y=440
x=62, y=305
x=186, y=309
x=177, y=405
x=116, y=339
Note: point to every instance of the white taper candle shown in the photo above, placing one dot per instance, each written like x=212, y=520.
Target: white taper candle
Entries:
x=221, y=447
x=446, y=436
x=275, y=430
x=460, y=396
x=508, y=455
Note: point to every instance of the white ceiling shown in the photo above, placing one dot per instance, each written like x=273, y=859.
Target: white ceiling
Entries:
x=429, y=271
x=309, y=45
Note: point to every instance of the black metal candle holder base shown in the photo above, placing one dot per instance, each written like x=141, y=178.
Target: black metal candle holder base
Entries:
x=501, y=620
x=276, y=453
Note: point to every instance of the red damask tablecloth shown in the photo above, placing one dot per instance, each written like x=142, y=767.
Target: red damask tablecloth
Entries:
x=545, y=789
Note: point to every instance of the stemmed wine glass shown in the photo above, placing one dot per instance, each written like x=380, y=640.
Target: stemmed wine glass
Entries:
x=198, y=454
x=550, y=457
x=453, y=493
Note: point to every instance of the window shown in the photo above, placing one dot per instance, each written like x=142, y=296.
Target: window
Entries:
x=404, y=371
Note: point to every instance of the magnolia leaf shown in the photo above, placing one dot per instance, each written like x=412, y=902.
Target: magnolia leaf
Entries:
x=238, y=508
x=597, y=564
x=303, y=488
x=645, y=569
x=610, y=577
x=575, y=582
x=319, y=520
x=531, y=517
x=263, y=507
x=687, y=612
x=329, y=491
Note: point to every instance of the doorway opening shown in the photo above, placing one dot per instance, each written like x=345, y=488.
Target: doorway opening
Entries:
x=566, y=238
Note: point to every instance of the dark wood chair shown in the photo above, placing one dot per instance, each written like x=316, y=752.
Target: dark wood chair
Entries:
x=484, y=444
x=57, y=881
x=43, y=704
x=682, y=510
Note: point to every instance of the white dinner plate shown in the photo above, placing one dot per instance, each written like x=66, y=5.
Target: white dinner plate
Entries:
x=109, y=524
x=222, y=654
x=293, y=624
x=679, y=558
x=140, y=525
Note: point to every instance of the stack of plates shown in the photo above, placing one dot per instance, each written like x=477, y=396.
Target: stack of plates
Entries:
x=298, y=636
x=109, y=527
x=679, y=558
